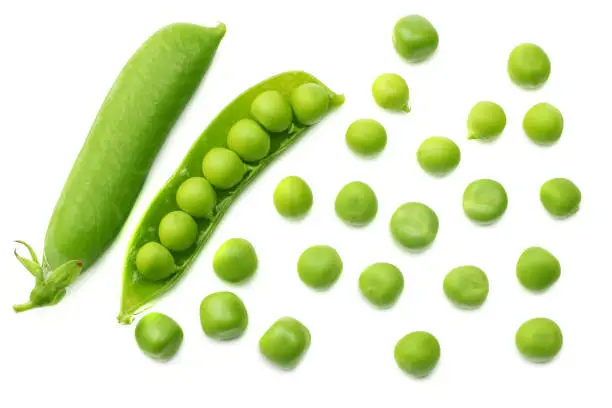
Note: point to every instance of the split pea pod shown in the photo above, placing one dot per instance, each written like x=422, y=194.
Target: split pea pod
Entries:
x=268, y=118
x=136, y=117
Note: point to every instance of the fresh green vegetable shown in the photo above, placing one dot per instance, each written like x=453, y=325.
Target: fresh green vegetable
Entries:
x=223, y=316
x=537, y=269
x=381, y=284
x=235, y=260
x=486, y=121
x=366, y=137
x=293, y=197
x=466, y=286
x=272, y=110
x=390, y=92
x=543, y=123
x=319, y=266
x=560, y=197
x=158, y=336
x=438, y=155
x=356, y=204
x=414, y=225
x=528, y=66
x=539, y=340
x=137, y=291
x=196, y=197
x=249, y=140
x=310, y=102
x=285, y=342
x=178, y=231
x=131, y=126
x=485, y=201
x=223, y=168
x=415, y=38
x=155, y=262
x=417, y=353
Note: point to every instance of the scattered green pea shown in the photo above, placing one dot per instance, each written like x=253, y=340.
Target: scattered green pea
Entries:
x=196, y=197
x=158, y=336
x=223, y=168
x=249, y=140
x=366, y=137
x=486, y=121
x=414, y=225
x=293, y=197
x=223, y=316
x=356, y=204
x=539, y=340
x=528, y=66
x=319, y=266
x=543, y=123
x=155, y=262
x=537, y=269
x=272, y=110
x=560, y=197
x=285, y=342
x=466, y=286
x=484, y=200
x=235, y=260
x=177, y=231
x=390, y=91
x=415, y=38
x=417, y=353
x=438, y=155
x=310, y=102
x=381, y=284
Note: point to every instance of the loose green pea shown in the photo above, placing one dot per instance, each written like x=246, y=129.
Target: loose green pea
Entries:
x=235, y=260
x=381, y=284
x=177, y=231
x=484, y=201
x=486, y=121
x=438, y=155
x=293, y=197
x=537, y=269
x=543, y=123
x=223, y=168
x=539, y=340
x=417, y=353
x=272, y=110
x=366, y=137
x=560, y=197
x=285, y=342
x=223, y=316
x=319, y=266
x=249, y=140
x=158, y=336
x=414, y=225
x=528, y=66
x=155, y=262
x=196, y=197
x=415, y=38
x=466, y=286
x=356, y=204
x=310, y=102
x=390, y=91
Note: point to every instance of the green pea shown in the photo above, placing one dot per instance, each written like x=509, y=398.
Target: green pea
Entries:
x=415, y=38
x=223, y=168
x=537, y=269
x=381, y=284
x=158, y=336
x=466, y=286
x=417, y=353
x=155, y=262
x=293, y=197
x=319, y=266
x=272, y=110
x=235, y=260
x=543, y=123
x=484, y=201
x=223, y=316
x=196, y=197
x=310, y=102
x=539, y=339
x=486, y=121
x=356, y=204
x=178, y=231
x=285, y=342
x=414, y=225
x=390, y=91
x=438, y=155
x=366, y=137
x=249, y=140
x=528, y=66
x=560, y=197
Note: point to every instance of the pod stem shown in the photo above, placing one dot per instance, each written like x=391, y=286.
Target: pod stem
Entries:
x=23, y=307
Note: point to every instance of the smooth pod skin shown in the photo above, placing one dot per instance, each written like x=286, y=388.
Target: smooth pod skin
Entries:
x=310, y=102
x=560, y=197
x=485, y=201
x=543, y=123
x=285, y=343
x=356, y=204
x=381, y=284
x=196, y=197
x=438, y=155
x=539, y=340
x=319, y=267
x=415, y=38
x=272, y=110
x=486, y=121
x=528, y=66
x=466, y=286
x=366, y=137
x=155, y=262
x=235, y=261
x=293, y=197
x=249, y=140
x=414, y=225
x=223, y=168
x=178, y=231
x=417, y=353
x=537, y=269
x=390, y=92
x=223, y=316
x=158, y=336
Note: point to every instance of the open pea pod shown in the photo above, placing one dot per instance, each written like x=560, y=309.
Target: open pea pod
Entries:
x=138, y=292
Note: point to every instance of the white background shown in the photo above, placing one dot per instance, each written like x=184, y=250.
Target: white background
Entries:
x=60, y=58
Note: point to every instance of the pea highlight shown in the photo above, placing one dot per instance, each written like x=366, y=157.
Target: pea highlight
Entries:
x=235, y=261
x=381, y=284
x=223, y=316
x=466, y=286
x=414, y=225
x=560, y=197
x=543, y=123
x=528, y=66
x=249, y=140
x=366, y=137
x=415, y=38
x=539, y=340
x=310, y=102
x=438, y=155
x=356, y=204
x=484, y=201
x=178, y=231
x=223, y=168
x=417, y=353
x=319, y=267
x=196, y=197
x=285, y=343
x=155, y=262
x=272, y=110
x=486, y=121
x=537, y=269
x=158, y=336
x=390, y=92
x=293, y=197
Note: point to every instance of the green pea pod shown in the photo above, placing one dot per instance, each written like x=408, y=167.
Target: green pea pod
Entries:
x=138, y=292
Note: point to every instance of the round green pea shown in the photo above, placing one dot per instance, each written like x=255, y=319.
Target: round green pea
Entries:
x=417, y=353
x=319, y=266
x=158, y=336
x=285, y=343
x=528, y=66
x=249, y=140
x=537, y=269
x=486, y=121
x=381, y=284
x=235, y=260
x=366, y=137
x=543, y=123
x=177, y=231
x=438, y=155
x=223, y=316
x=223, y=168
x=466, y=286
x=310, y=102
x=414, y=225
x=155, y=262
x=484, y=201
x=356, y=204
x=390, y=91
x=272, y=110
x=415, y=38
x=196, y=197
x=560, y=197
x=539, y=340
x=293, y=197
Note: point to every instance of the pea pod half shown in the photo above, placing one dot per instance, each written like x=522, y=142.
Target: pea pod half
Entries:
x=138, y=291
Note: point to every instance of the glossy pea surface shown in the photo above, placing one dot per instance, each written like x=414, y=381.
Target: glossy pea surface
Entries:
x=560, y=197
x=417, y=353
x=178, y=231
x=366, y=137
x=485, y=201
x=486, y=121
x=235, y=260
x=539, y=339
x=537, y=269
x=155, y=262
x=249, y=140
x=466, y=286
x=223, y=316
x=158, y=336
x=196, y=197
x=414, y=225
x=319, y=266
x=528, y=66
x=356, y=203
x=223, y=168
x=292, y=197
x=310, y=102
x=543, y=123
x=390, y=92
x=285, y=342
x=438, y=155
x=415, y=38
x=272, y=110
x=381, y=284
